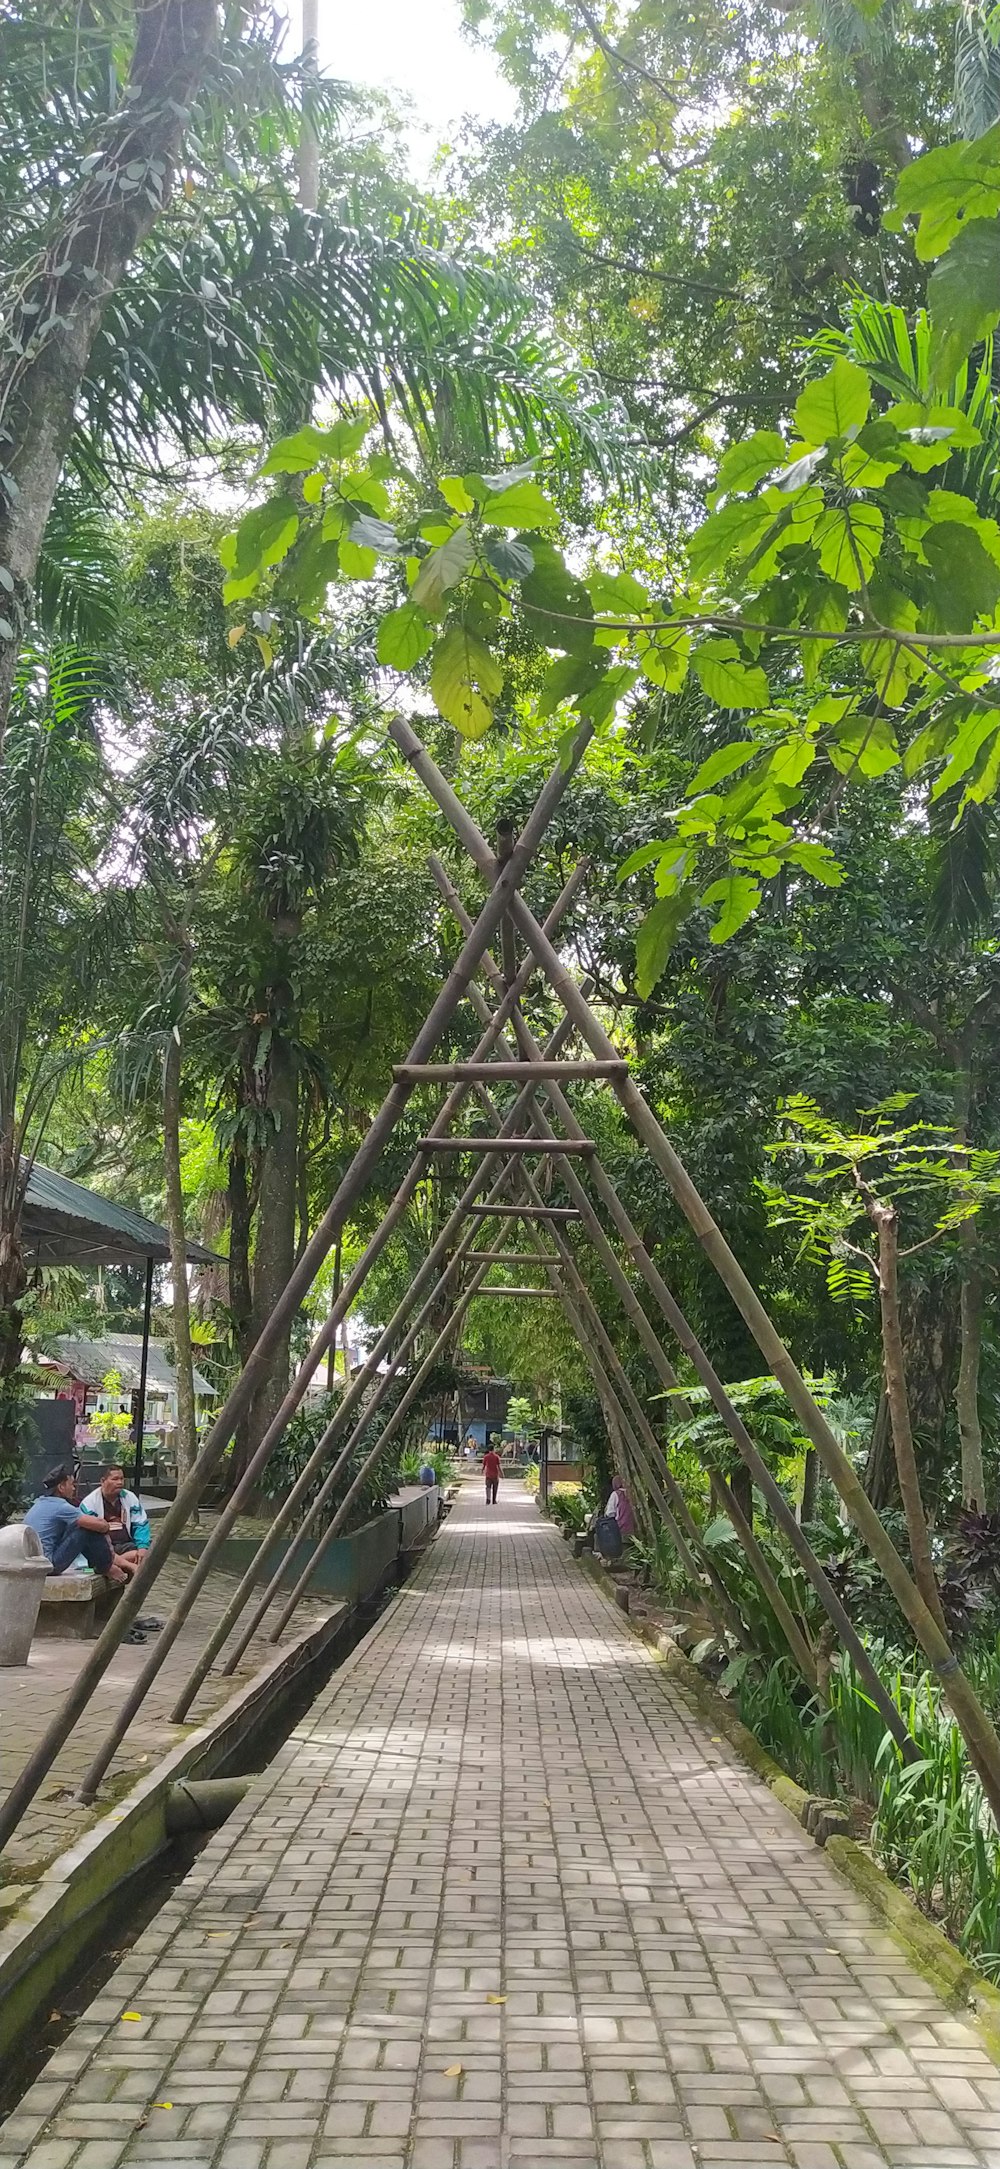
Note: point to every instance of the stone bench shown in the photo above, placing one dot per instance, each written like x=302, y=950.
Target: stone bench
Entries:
x=74, y=1607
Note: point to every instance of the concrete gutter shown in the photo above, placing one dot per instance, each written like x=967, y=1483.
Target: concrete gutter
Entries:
x=47, y=1925
x=928, y=1949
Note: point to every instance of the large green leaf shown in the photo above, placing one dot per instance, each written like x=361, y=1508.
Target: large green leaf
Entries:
x=723, y=762
x=965, y=579
x=834, y=404
x=729, y=533
x=656, y=937
x=743, y=465
x=964, y=297
x=955, y=183
x=557, y=603
x=737, y=895
x=443, y=569
x=727, y=679
x=663, y=657
x=465, y=679
x=977, y=730
x=864, y=744
x=523, y=505
x=403, y=637
x=566, y=679
x=263, y=537
x=849, y=538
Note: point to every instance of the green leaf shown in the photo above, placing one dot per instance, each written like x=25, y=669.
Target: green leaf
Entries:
x=727, y=679
x=849, y=538
x=566, y=678
x=357, y=561
x=834, y=404
x=956, y=183
x=265, y=536
x=877, y=452
x=723, y=762
x=523, y=505
x=443, y=569
x=893, y=670
x=864, y=745
x=964, y=749
x=375, y=534
x=603, y=698
x=743, y=465
x=818, y=860
x=732, y=532
x=617, y=592
x=663, y=657
x=557, y=603
x=404, y=636
x=456, y=493
x=513, y=560
x=963, y=295
x=465, y=679
x=655, y=939
x=965, y=579
x=294, y=454
x=737, y=896
x=646, y=855
x=930, y=434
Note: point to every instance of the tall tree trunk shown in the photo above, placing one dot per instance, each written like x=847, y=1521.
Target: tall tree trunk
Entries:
x=967, y=1390
x=810, y=1486
x=187, y=1438
x=60, y=301
x=885, y=1222
x=274, y=1247
x=971, y=1296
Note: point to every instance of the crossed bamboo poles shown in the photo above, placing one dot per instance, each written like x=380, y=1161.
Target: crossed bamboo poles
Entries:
x=504, y=1187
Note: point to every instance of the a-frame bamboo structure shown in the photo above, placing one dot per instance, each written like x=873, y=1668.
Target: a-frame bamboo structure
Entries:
x=538, y=1128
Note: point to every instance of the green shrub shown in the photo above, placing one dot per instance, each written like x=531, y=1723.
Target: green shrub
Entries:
x=568, y=1507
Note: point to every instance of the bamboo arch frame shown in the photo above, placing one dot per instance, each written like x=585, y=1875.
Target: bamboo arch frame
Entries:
x=504, y=1153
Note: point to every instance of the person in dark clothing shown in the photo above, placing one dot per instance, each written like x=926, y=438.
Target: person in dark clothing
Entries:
x=66, y=1533
x=491, y=1471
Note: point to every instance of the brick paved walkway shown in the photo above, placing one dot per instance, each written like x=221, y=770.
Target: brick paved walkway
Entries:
x=502, y=1901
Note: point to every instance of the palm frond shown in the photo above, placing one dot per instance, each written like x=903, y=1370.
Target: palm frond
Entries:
x=977, y=68
x=78, y=583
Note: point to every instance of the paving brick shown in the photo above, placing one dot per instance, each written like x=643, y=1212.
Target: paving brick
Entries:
x=500, y=1796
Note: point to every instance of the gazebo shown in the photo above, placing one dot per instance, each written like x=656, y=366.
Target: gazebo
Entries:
x=65, y=1224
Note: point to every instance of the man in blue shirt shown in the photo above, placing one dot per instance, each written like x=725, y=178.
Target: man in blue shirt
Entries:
x=65, y=1532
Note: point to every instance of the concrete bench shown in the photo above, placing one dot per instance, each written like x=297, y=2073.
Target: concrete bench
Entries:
x=74, y=1607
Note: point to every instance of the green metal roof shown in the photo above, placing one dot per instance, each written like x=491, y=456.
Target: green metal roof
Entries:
x=91, y=1360
x=64, y=1224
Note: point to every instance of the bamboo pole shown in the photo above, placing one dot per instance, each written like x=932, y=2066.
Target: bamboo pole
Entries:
x=534, y=1212
x=135, y=1596
x=224, y=1626
x=504, y=1072
x=978, y=1732
x=394, y=1424
x=792, y=1629
x=560, y=1147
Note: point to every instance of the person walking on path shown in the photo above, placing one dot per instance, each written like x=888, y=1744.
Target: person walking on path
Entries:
x=491, y=1471
x=66, y=1533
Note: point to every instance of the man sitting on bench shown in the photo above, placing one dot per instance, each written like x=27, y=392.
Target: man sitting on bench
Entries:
x=65, y=1532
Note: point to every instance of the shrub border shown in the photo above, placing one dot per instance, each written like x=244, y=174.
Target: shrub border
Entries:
x=928, y=1949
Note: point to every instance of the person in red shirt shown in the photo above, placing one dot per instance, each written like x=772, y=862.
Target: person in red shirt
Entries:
x=491, y=1471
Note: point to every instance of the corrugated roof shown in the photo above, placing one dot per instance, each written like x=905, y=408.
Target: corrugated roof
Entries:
x=91, y=1360
x=64, y=1224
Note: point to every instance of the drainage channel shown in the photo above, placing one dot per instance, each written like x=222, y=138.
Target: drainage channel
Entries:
x=140, y=1895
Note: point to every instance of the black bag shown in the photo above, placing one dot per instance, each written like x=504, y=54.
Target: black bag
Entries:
x=608, y=1537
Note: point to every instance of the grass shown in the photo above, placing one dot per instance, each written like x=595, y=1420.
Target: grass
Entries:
x=932, y=1830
